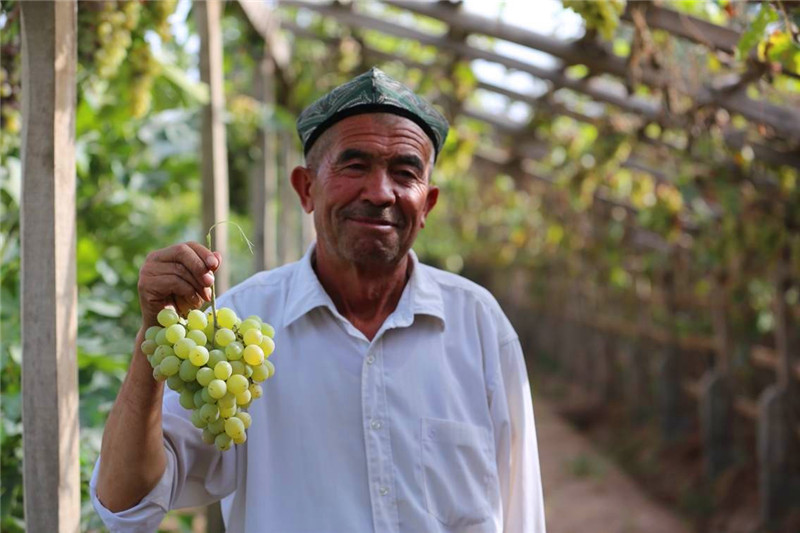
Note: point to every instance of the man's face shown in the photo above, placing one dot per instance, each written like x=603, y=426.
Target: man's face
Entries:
x=370, y=190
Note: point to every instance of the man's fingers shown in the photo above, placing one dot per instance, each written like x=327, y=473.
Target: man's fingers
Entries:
x=179, y=269
x=211, y=260
x=162, y=288
x=192, y=255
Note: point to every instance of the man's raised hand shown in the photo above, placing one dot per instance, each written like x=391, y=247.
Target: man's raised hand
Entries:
x=179, y=276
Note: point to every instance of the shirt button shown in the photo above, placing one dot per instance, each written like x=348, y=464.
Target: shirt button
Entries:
x=384, y=491
x=370, y=360
x=376, y=424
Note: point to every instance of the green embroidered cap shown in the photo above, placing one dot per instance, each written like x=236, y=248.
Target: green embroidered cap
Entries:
x=370, y=92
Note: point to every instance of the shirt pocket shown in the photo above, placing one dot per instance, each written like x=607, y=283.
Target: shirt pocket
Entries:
x=456, y=471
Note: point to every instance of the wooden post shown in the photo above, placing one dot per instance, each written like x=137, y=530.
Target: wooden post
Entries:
x=214, y=155
x=669, y=376
x=214, y=159
x=715, y=403
x=776, y=441
x=48, y=285
x=288, y=236
x=265, y=178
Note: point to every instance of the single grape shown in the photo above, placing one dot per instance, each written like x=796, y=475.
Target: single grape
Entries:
x=267, y=346
x=206, y=396
x=243, y=398
x=222, y=442
x=208, y=436
x=238, y=367
x=198, y=399
x=239, y=439
x=223, y=370
x=253, y=355
x=209, y=329
x=245, y=418
x=227, y=412
x=234, y=350
x=188, y=372
x=160, y=353
x=270, y=367
x=169, y=365
x=175, y=333
x=175, y=383
x=161, y=338
x=253, y=336
x=226, y=317
x=268, y=330
x=237, y=383
x=183, y=347
x=256, y=391
x=260, y=372
x=234, y=426
x=197, y=336
x=215, y=356
x=209, y=412
x=224, y=337
x=158, y=374
x=196, y=320
x=217, y=426
x=247, y=325
x=229, y=400
x=149, y=347
x=167, y=317
x=217, y=389
x=248, y=371
x=187, y=399
x=204, y=376
x=151, y=332
x=197, y=420
x=198, y=355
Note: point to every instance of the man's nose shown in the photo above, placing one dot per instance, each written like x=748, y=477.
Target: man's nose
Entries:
x=378, y=188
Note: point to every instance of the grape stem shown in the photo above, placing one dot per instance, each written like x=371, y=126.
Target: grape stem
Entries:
x=213, y=283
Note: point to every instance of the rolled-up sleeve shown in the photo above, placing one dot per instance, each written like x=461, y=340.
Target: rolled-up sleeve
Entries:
x=515, y=441
x=196, y=474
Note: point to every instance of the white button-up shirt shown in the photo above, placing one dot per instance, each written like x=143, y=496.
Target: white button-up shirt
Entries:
x=427, y=428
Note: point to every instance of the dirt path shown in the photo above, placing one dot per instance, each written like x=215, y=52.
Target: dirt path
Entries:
x=584, y=491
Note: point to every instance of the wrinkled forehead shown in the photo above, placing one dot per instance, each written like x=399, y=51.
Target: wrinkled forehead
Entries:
x=380, y=134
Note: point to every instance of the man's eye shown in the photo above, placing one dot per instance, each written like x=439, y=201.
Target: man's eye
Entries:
x=407, y=174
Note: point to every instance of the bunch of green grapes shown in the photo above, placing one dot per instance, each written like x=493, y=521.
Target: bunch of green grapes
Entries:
x=600, y=15
x=215, y=365
x=161, y=11
x=144, y=68
x=115, y=21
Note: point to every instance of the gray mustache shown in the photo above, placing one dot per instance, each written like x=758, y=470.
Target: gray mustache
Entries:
x=377, y=213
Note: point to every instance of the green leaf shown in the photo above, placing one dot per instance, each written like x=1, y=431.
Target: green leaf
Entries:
x=755, y=32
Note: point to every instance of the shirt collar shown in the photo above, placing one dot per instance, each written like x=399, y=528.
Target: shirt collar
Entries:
x=421, y=295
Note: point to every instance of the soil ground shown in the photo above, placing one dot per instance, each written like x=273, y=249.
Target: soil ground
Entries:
x=585, y=491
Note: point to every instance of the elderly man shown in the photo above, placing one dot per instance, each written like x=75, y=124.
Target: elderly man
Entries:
x=401, y=402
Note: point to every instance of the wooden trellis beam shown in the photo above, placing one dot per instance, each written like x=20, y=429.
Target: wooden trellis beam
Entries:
x=559, y=80
x=634, y=105
x=686, y=26
x=267, y=24
x=784, y=120
x=51, y=471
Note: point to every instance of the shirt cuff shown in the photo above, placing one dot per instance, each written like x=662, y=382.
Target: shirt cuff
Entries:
x=145, y=516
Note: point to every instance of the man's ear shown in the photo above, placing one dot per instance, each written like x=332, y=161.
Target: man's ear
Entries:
x=430, y=201
x=302, y=178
